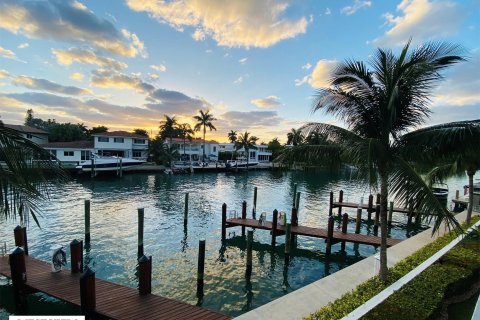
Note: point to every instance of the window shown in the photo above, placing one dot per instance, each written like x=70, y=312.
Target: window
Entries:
x=68, y=153
x=137, y=154
x=214, y=149
x=139, y=141
x=252, y=154
x=85, y=155
x=118, y=140
x=103, y=139
x=29, y=136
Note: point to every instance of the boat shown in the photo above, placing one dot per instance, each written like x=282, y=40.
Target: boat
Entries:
x=240, y=164
x=107, y=163
x=440, y=190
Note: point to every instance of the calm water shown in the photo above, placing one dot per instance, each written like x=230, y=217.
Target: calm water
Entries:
x=112, y=255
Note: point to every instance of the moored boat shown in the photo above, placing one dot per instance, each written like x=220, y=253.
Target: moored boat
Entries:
x=440, y=190
x=240, y=164
x=107, y=163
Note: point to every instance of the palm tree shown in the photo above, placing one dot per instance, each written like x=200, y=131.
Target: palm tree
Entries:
x=168, y=128
x=204, y=119
x=186, y=132
x=232, y=136
x=378, y=105
x=23, y=181
x=246, y=142
x=295, y=137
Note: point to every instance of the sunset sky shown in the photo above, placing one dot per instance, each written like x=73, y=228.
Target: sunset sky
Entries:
x=254, y=64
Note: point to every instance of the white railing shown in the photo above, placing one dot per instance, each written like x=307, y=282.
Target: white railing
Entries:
x=383, y=295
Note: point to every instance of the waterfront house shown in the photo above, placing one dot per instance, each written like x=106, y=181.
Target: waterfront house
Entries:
x=122, y=144
x=261, y=154
x=33, y=134
x=194, y=148
x=70, y=153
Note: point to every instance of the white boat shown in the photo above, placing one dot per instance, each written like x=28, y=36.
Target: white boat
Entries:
x=107, y=163
x=440, y=190
x=240, y=164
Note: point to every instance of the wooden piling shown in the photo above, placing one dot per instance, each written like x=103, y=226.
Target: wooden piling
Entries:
x=340, y=199
x=390, y=213
x=141, y=217
x=120, y=170
x=377, y=214
x=358, y=220
x=76, y=256
x=379, y=197
x=20, y=235
x=410, y=213
x=370, y=207
x=87, y=222
x=200, y=267
x=294, y=218
x=254, y=209
x=288, y=237
x=274, y=227
x=344, y=227
x=185, y=212
x=92, y=171
x=329, y=235
x=457, y=194
x=248, y=271
x=18, y=273
x=330, y=208
x=294, y=194
x=224, y=221
x=297, y=203
x=145, y=275
x=244, y=215
x=87, y=292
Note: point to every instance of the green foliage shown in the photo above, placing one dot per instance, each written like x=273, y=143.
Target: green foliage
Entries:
x=97, y=129
x=161, y=153
x=275, y=147
x=141, y=132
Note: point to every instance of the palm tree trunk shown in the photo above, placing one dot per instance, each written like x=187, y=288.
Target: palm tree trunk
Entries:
x=184, y=140
x=204, y=132
x=470, y=174
x=383, y=224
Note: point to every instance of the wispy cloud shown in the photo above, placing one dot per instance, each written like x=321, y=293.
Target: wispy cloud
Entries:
x=328, y=12
x=8, y=54
x=320, y=76
x=23, y=45
x=357, y=5
x=67, y=57
x=159, y=67
x=49, y=86
x=117, y=80
x=269, y=102
x=77, y=76
x=307, y=66
x=243, y=60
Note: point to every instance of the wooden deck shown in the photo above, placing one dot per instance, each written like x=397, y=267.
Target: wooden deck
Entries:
x=364, y=206
x=312, y=232
x=114, y=301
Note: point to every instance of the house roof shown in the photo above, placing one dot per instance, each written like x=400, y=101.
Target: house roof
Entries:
x=82, y=144
x=124, y=134
x=24, y=129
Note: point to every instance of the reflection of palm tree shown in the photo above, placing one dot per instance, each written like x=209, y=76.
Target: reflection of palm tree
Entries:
x=246, y=142
x=204, y=119
x=379, y=105
x=232, y=137
x=22, y=180
x=186, y=132
x=168, y=128
x=295, y=137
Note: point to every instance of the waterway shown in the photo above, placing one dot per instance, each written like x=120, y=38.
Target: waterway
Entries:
x=113, y=251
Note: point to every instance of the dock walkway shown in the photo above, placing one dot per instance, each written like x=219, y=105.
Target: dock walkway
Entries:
x=113, y=301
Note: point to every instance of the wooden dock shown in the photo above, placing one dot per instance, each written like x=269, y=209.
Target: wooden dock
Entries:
x=113, y=301
x=311, y=232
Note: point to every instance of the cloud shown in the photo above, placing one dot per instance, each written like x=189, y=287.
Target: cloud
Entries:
x=328, y=12
x=174, y=102
x=241, y=23
x=77, y=76
x=269, y=102
x=423, y=19
x=357, y=4
x=239, y=80
x=320, y=76
x=159, y=67
x=116, y=80
x=306, y=66
x=68, y=21
x=49, y=86
x=23, y=45
x=67, y=57
x=243, y=60
x=8, y=54
x=243, y=120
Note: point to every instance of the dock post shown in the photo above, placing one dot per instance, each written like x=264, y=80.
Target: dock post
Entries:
x=254, y=209
x=120, y=171
x=274, y=227
x=200, y=267
x=141, y=217
x=248, y=272
x=377, y=214
x=288, y=237
x=330, y=235
x=294, y=194
x=297, y=203
x=87, y=222
x=185, y=212
x=344, y=227
x=20, y=235
x=87, y=292
x=340, y=199
x=145, y=275
x=457, y=194
x=244, y=215
x=18, y=273
x=379, y=197
x=390, y=213
x=294, y=221
x=92, y=171
x=76, y=256
x=358, y=221
x=410, y=213
x=224, y=221
x=370, y=207
x=330, y=209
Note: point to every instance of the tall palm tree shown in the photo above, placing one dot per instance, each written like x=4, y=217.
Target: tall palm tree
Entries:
x=186, y=132
x=232, y=137
x=168, y=128
x=23, y=181
x=247, y=142
x=378, y=105
x=204, y=120
x=295, y=137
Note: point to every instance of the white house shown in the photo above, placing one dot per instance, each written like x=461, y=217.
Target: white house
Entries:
x=194, y=149
x=33, y=134
x=72, y=152
x=122, y=144
x=261, y=154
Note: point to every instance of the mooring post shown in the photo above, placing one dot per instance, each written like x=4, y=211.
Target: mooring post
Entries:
x=410, y=213
x=248, y=272
x=224, y=221
x=121, y=168
x=344, y=227
x=274, y=227
x=141, y=217
x=377, y=214
x=76, y=256
x=294, y=194
x=87, y=292
x=201, y=267
x=358, y=221
x=244, y=215
x=330, y=208
x=288, y=237
x=18, y=273
x=254, y=209
x=92, y=171
x=185, y=212
x=370, y=207
x=145, y=275
x=390, y=213
x=87, y=222
x=330, y=235
x=457, y=194
x=297, y=203
x=340, y=199
x=20, y=235
x=379, y=197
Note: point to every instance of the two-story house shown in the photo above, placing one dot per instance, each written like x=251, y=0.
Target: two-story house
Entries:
x=122, y=144
x=33, y=134
x=260, y=154
x=193, y=150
